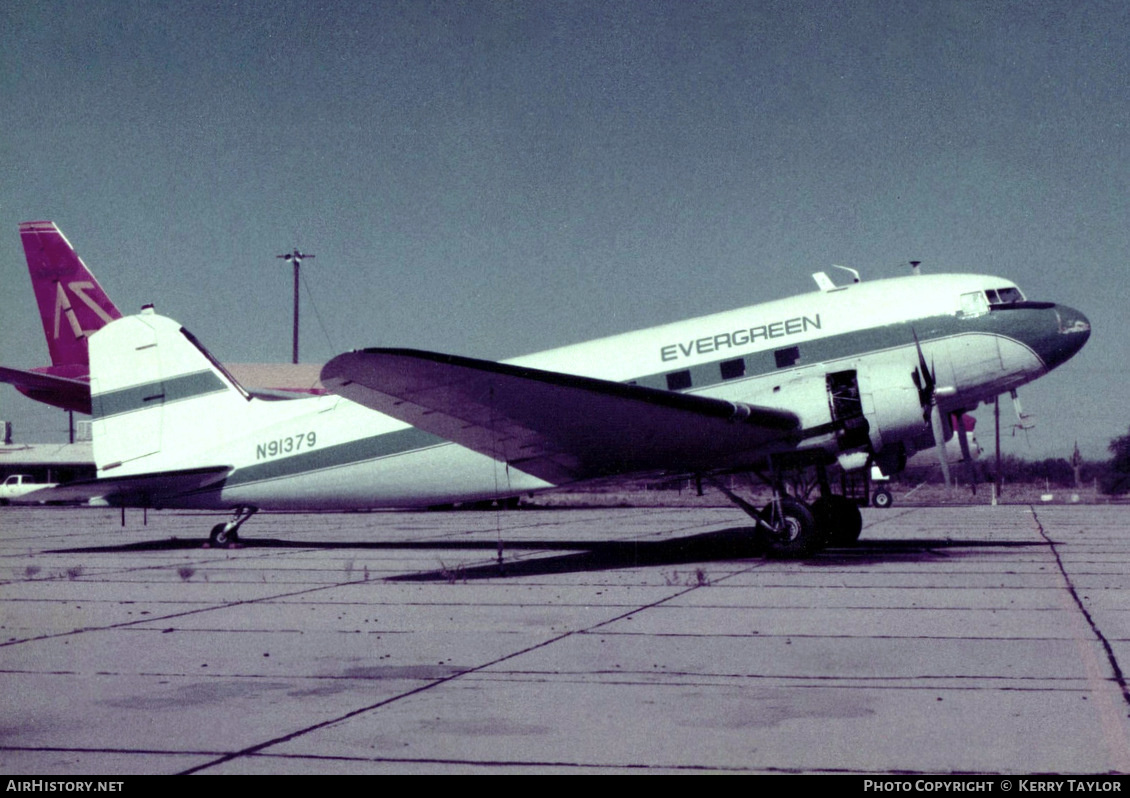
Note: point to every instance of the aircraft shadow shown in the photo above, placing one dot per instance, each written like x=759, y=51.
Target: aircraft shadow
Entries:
x=723, y=546
x=586, y=555
x=728, y=544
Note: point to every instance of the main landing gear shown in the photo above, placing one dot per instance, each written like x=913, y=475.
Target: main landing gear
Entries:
x=227, y=534
x=840, y=518
x=790, y=527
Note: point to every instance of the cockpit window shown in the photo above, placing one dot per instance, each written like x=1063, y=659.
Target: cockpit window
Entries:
x=974, y=304
x=1005, y=296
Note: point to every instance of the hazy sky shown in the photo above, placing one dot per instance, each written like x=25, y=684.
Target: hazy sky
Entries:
x=494, y=178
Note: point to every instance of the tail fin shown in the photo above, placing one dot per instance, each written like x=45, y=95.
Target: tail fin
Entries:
x=159, y=400
x=72, y=304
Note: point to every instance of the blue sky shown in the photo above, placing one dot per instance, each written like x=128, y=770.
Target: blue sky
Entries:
x=494, y=178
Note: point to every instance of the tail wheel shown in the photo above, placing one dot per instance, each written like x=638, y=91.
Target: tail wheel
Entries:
x=882, y=499
x=222, y=536
x=227, y=534
x=839, y=519
x=789, y=529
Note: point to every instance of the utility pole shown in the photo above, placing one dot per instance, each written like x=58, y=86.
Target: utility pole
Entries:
x=296, y=258
x=999, y=481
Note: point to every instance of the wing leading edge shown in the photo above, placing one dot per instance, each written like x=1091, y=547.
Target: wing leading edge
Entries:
x=558, y=427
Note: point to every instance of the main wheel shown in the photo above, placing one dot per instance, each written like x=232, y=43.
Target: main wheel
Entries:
x=839, y=519
x=792, y=529
x=220, y=535
x=882, y=499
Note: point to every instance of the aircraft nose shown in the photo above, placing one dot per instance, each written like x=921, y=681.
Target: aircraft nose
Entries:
x=1072, y=329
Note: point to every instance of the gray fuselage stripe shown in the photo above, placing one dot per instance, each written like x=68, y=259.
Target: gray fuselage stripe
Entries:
x=1017, y=325
x=151, y=394
x=348, y=453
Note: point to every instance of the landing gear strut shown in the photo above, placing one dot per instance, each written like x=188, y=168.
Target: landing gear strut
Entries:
x=786, y=526
x=789, y=527
x=227, y=534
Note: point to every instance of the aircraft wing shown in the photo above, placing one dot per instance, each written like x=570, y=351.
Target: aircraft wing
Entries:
x=64, y=392
x=558, y=427
x=137, y=490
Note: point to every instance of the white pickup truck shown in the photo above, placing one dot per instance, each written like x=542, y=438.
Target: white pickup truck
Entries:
x=15, y=486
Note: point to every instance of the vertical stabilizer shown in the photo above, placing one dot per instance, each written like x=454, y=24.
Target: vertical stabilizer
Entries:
x=159, y=400
x=72, y=304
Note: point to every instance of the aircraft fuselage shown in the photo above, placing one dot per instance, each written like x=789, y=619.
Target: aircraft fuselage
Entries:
x=845, y=361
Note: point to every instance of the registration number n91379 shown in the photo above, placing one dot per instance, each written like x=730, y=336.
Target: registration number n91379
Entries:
x=285, y=445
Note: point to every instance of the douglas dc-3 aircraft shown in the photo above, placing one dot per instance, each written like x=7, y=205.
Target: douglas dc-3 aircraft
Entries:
x=73, y=306
x=859, y=374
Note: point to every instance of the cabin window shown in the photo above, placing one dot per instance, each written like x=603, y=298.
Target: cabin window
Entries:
x=787, y=357
x=732, y=369
x=974, y=303
x=678, y=380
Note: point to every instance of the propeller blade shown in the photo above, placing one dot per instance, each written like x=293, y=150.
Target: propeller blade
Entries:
x=966, y=457
x=940, y=443
x=928, y=374
x=924, y=379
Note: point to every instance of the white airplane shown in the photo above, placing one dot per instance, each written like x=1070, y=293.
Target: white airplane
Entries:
x=860, y=374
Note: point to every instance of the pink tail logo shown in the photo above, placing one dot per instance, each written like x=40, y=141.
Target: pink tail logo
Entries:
x=57, y=272
x=63, y=308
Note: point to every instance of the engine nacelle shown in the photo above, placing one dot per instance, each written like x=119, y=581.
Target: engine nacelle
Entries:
x=891, y=404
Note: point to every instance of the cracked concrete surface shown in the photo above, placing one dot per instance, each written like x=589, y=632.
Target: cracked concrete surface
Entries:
x=961, y=639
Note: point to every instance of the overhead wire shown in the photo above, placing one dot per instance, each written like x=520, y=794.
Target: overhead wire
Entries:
x=317, y=313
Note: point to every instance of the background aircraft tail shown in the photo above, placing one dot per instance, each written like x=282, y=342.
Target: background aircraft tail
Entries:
x=159, y=400
x=72, y=304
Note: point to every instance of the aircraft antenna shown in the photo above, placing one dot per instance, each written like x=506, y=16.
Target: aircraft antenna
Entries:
x=914, y=264
x=296, y=258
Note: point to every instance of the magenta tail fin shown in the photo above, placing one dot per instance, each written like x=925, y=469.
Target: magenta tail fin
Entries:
x=72, y=304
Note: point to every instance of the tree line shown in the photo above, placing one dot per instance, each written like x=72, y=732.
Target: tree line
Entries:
x=1112, y=476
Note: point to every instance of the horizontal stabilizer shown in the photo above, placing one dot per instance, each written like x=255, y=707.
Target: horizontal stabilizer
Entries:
x=137, y=490
x=64, y=392
x=558, y=427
